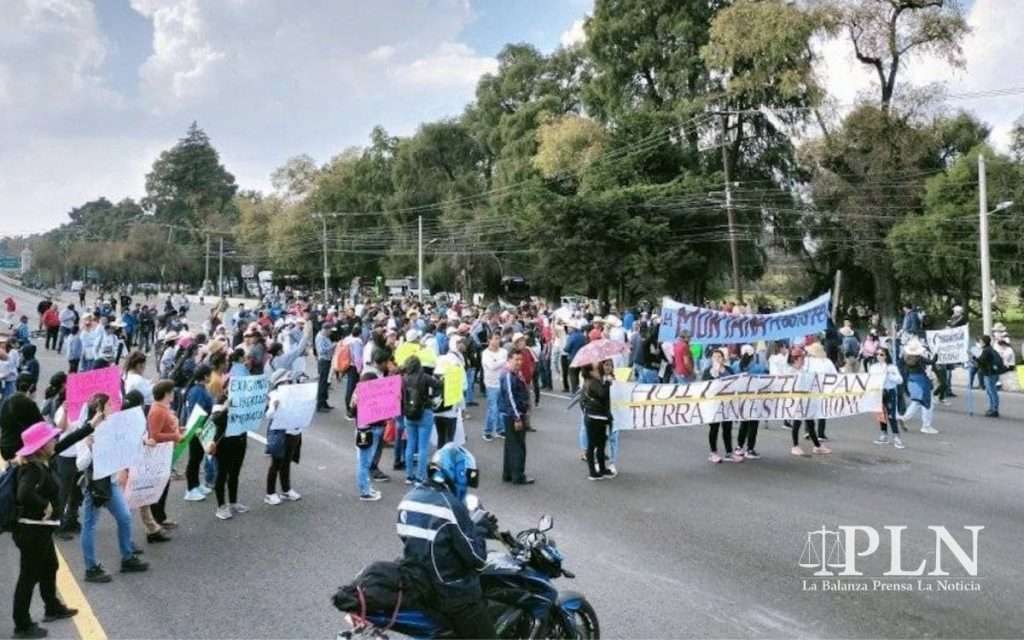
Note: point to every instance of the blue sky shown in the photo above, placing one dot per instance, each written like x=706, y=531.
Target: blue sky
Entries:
x=92, y=90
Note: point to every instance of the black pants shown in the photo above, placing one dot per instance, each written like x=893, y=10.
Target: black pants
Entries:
x=574, y=379
x=597, y=438
x=748, y=434
x=564, y=361
x=70, y=496
x=445, y=430
x=809, y=425
x=195, y=459
x=283, y=466
x=73, y=366
x=159, y=508
x=351, y=378
x=52, y=337
x=323, y=369
x=38, y=566
x=726, y=436
x=468, y=619
x=514, y=469
x=230, y=456
x=821, y=427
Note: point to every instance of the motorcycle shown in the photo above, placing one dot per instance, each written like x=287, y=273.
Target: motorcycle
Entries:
x=517, y=584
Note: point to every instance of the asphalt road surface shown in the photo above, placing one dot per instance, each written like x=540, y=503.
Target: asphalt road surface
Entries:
x=673, y=547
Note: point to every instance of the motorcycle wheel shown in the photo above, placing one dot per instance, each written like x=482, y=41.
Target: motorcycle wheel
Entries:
x=584, y=624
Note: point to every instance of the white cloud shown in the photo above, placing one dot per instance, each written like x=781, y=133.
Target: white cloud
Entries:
x=988, y=52
x=574, y=35
x=452, y=65
x=382, y=53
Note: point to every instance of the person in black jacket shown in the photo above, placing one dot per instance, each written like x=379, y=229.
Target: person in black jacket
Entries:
x=597, y=417
x=990, y=366
x=17, y=413
x=37, y=501
x=514, y=407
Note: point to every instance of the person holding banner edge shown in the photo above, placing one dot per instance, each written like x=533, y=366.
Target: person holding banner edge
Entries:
x=719, y=369
x=797, y=365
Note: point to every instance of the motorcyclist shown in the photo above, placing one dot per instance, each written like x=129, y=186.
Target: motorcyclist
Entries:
x=441, y=537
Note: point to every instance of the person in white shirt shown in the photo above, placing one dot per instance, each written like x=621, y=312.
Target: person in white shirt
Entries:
x=90, y=335
x=282, y=446
x=882, y=364
x=819, y=363
x=447, y=420
x=492, y=361
x=134, y=378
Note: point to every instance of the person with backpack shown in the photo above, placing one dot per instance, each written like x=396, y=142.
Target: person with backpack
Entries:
x=99, y=493
x=28, y=491
x=419, y=389
x=348, y=362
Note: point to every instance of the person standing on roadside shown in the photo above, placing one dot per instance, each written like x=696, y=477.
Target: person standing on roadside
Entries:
x=51, y=323
x=514, y=405
x=324, y=353
x=493, y=361
x=990, y=367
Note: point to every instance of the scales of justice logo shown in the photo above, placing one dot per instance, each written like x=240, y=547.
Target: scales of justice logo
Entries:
x=824, y=551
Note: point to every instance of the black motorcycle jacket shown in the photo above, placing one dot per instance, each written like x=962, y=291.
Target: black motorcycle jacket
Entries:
x=440, y=536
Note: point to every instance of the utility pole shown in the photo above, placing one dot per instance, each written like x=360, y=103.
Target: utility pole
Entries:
x=220, y=278
x=986, y=268
x=206, y=278
x=835, y=295
x=733, y=249
x=419, y=268
x=327, y=273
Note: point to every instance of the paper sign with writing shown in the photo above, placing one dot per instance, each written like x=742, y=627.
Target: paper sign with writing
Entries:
x=379, y=399
x=296, y=406
x=117, y=442
x=82, y=386
x=454, y=386
x=949, y=346
x=709, y=326
x=745, y=397
x=622, y=374
x=148, y=475
x=195, y=423
x=247, y=403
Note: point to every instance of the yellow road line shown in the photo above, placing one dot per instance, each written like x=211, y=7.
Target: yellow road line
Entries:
x=89, y=628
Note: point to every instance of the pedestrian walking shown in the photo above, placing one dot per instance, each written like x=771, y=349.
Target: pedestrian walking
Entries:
x=919, y=385
x=797, y=366
x=595, y=399
x=888, y=418
x=719, y=369
x=746, y=441
x=161, y=426
x=283, y=447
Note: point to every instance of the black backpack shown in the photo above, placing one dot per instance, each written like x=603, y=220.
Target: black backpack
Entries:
x=385, y=587
x=414, y=396
x=8, y=499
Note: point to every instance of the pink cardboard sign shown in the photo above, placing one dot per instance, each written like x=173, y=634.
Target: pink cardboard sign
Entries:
x=378, y=400
x=82, y=386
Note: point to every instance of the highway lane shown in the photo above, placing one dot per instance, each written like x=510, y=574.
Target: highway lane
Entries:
x=673, y=547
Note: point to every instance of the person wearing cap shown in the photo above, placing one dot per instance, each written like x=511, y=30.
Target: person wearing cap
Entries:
x=919, y=385
x=169, y=355
x=797, y=366
x=283, y=446
x=38, y=491
x=324, y=352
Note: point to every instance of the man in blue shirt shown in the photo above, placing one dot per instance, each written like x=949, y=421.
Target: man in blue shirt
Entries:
x=324, y=353
x=573, y=343
x=514, y=405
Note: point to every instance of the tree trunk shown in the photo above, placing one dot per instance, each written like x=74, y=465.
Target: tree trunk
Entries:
x=885, y=290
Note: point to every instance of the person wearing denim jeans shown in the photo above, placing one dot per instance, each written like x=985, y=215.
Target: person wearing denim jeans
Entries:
x=417, y=443
x=493, y=360
x=119, y=509
x=364, y=458
x=989, y=367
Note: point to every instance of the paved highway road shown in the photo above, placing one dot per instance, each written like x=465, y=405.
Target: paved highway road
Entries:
x=673, y=547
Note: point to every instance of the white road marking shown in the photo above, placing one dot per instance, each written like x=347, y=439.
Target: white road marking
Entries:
x=257, y=437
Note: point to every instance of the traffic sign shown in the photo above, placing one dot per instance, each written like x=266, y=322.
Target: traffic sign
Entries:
x=248, y=271
x=11, y=263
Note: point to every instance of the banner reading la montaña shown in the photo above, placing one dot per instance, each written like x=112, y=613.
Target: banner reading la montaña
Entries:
x=745, y=397
x=708, y=326
x=949, y=346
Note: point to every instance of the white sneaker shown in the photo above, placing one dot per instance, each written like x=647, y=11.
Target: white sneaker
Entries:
x=931, y=430
x=205, y=489
x=272, y=499
x=291, y=495
x=238, y=507
x=612, y=471
x=224, y=513
x=882, y=439
x=195, y=495
x=373, y=496
x=896, y=442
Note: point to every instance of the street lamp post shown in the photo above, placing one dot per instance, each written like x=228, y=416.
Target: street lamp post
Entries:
x=986, y=267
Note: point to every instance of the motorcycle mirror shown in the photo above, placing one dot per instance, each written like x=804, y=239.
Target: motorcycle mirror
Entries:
x=472, y=502
x=546, y=523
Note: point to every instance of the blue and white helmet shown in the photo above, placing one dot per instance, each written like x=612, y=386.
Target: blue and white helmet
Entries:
x=454, y=467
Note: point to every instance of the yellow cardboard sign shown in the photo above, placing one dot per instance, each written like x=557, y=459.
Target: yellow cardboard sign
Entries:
x=454, y=385
x=622, y=374
x=1020, y=376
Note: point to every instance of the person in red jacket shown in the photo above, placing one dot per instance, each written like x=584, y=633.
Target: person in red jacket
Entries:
x=682, y=359
x=51, y=322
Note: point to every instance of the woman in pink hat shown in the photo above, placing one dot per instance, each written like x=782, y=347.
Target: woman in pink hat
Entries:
x=38, y=491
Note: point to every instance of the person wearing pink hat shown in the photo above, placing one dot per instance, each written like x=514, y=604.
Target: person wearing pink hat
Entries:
x=38, y=491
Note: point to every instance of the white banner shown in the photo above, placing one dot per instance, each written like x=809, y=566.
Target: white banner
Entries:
x=148, y=475
x=296, y=406
x=745, y=397
x=949, y=346
x=118, y=442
